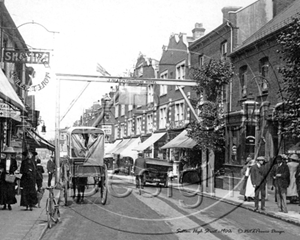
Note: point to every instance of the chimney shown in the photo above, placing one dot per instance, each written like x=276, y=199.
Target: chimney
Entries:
x=226, y=10
x=198, y=31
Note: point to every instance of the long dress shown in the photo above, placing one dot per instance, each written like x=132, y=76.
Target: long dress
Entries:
x=250, y=190
x=292, y=189
x=28, y=181
x=7, y=189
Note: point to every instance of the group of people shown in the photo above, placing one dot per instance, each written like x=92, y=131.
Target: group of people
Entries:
x=255, y=178
x=31, y=172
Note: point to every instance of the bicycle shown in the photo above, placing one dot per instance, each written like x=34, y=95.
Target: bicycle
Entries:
x=52, y=208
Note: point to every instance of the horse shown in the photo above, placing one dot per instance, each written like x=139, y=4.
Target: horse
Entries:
x=79, y=183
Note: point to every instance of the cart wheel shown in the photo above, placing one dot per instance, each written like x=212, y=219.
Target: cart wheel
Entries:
x=103, y=186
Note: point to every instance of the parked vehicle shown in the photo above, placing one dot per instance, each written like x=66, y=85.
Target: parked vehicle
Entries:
x=157, y=171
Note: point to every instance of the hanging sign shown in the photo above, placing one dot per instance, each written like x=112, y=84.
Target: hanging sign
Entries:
x=39, y=72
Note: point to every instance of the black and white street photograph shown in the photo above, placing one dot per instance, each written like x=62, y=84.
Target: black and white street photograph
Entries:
x=149, y=120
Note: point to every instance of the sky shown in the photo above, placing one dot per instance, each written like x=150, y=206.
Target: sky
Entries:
x=81, y=33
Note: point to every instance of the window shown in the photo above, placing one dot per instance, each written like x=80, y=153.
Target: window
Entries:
x=130, y=107
x=163, y=88
x=138, y=125
x=150, y=94
x=122, y=131
x=129, y=127
x=149, y=123
x=162, y=117
x=224, y=50
x=117, y=110
x=122, y=109
x=116, y=131
x=201, y=60
x=243, y=80
x=180, y=71
x=179, y=111
x=264, y=72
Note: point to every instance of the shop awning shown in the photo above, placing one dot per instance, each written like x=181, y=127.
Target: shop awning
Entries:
x=180, y=141
x=8, y=94
x=128, y=151
x=122, y=146
x=112, y=147
x=36, y=141
x=295, y=148
x=149, y=141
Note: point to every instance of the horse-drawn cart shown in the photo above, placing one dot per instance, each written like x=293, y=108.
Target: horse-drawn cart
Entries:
x=84, y=164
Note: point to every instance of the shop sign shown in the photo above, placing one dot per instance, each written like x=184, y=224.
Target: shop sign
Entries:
x=7, y=112
x=107, y=129
x=26, y=57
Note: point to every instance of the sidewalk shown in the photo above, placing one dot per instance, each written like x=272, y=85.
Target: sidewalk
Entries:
x=19, y=224
x=234, y=197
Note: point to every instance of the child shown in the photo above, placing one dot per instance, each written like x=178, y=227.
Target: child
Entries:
x=39, y=174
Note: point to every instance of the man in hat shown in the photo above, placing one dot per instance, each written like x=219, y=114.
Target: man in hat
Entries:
x=281, y=175
x=258, y=176
x=50, y=169
x=139, y=167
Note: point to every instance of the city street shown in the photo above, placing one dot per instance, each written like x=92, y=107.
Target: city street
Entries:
x=166, y=214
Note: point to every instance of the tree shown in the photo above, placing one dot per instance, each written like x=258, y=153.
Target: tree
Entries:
x=211, y=79
x=289, y=40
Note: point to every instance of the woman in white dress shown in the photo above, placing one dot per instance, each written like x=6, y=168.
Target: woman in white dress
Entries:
x=249, y=193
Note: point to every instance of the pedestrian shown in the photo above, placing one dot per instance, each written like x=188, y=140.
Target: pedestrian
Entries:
x=297, y=177
x=259, y=180
x=39, y=174
x=139, y=167
x=250, y=190
x=245, y=172
x=50, y=169
x=292, y=189
x=181, y=166
x=28, y=180
x=281, y=175
x=8, y=166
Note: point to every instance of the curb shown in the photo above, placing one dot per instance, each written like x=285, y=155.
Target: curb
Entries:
x=270, y=214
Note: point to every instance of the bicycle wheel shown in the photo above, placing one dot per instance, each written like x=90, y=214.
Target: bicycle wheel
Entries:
x=49, y=212
x=56, y=214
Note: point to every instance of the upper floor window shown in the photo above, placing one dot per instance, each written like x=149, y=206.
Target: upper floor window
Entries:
x=122, y=131
x=149, y=123
x=162, y=117
x=138, y=125
x=179, y=111
x=130, y=107
x=129, y=127
x=163, y=88
x=201, y=60
x=150, y=93
x=264, y=71
x=224, y=47
x=180, y=71
x=116, y=131
x=243, y=80
x=122, y=109
x=117, y=110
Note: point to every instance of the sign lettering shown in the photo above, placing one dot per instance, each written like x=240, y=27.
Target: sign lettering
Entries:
x=26, y=57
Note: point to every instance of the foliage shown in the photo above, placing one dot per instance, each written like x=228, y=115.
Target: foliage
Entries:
x=211, y=79
x=289, y=40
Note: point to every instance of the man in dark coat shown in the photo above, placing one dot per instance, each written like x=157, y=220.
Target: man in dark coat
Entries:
x=258, y=176
x=8, y=165
x=28, y=181
x=139, y=167
x=281, y=175
x=50, y=169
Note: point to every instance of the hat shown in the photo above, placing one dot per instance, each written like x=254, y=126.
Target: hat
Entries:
x=294, y=157
x=248, y=159
x=9, y=150
x=261, y=158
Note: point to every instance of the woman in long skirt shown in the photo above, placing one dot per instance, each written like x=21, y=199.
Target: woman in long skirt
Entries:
x=8, y=166
x=28, y=181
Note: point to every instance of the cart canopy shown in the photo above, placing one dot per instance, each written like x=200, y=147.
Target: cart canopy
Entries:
x=86, y=143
